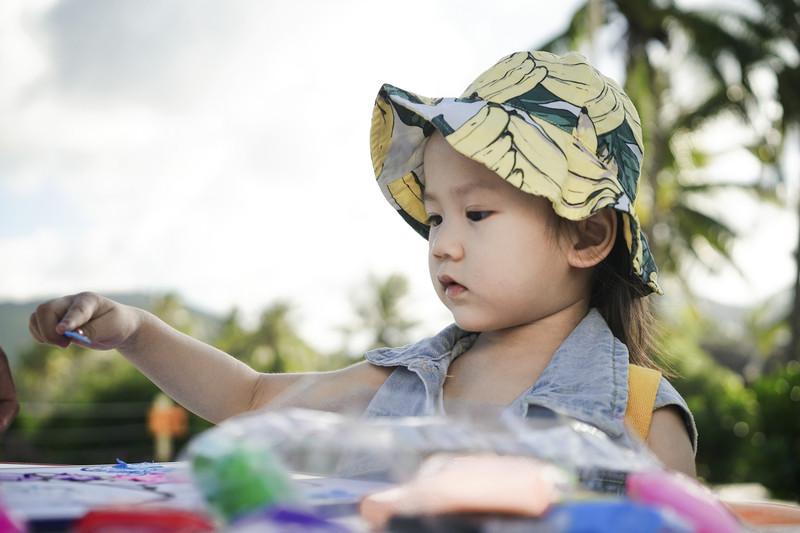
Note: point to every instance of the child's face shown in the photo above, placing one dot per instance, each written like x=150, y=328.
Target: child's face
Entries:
x=495, y=257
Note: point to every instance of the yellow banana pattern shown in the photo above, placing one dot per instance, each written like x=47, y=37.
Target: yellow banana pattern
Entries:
x=552, y=126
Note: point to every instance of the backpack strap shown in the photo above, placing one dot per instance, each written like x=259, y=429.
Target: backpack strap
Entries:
x=642, y=388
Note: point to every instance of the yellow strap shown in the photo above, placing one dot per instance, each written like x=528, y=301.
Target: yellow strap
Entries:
x=642, y=388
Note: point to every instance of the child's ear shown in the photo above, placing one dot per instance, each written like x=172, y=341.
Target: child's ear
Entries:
x=593, y=239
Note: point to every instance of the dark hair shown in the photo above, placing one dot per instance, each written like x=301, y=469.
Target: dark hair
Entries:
x=621, y=299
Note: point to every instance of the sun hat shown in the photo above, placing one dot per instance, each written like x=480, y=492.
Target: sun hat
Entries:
x=552, y=126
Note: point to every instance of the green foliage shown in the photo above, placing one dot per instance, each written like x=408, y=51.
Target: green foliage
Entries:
x=748, y=432
x=725, y=413
x=379, y=312
x=723, y=408
x=273, y=346
x=84, y=406
x=81, y=406
x=773, y=452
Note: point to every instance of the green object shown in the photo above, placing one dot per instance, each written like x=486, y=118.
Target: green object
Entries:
x=237, y=480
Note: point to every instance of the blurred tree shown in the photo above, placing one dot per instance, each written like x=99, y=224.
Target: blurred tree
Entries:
x=379, y=312
x=666, y=49
x=273, y=346
x=774, y=449
x=693, y=74
x=779, y=40
x=85, y=406
x=724, y=408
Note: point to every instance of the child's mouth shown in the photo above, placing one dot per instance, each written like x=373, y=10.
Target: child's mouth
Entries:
x=451, y=287
x=454, y=289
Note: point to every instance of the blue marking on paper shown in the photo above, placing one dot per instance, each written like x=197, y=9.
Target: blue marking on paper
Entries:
x=128, y=468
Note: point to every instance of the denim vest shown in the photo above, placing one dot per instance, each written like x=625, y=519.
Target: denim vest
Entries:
x=587, y=379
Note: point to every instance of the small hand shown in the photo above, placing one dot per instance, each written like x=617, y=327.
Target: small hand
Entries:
x=86, y=318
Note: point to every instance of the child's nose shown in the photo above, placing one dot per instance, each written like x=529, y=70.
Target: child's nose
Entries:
x=445, y=242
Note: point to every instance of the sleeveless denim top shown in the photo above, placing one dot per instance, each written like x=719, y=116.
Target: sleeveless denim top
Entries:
x=587, y=379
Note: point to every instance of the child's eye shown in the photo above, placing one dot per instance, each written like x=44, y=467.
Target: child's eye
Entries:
x=477, y=216
x=433, y=220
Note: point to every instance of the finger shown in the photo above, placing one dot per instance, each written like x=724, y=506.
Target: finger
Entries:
x=33, y=327
x=39, y=333
x=80, y=311
x=43, y=322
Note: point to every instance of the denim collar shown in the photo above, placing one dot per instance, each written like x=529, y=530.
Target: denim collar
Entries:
x=586, y=379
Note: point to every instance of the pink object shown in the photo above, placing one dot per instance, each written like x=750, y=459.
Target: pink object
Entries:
x=154, y=477
x=686, y=497
x=11, y=523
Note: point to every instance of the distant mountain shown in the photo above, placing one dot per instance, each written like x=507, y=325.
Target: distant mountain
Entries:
x=15, y=337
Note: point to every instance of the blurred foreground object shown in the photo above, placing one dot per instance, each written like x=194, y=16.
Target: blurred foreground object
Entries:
x=484, y=483
x=552, y=474
x=9, y=404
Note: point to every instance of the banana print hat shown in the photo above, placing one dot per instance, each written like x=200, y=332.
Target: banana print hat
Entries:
x=552, y=126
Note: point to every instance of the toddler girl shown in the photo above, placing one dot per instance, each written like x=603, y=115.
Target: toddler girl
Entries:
x=525, y=188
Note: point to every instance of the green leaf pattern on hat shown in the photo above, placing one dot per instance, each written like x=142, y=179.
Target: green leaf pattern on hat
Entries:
x=551, y=126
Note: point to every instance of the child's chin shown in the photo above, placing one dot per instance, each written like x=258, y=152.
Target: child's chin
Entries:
x=470, y=324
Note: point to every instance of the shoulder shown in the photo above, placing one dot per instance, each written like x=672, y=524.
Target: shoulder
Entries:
x=672, y=435
x=668, y=396
x=670, y=441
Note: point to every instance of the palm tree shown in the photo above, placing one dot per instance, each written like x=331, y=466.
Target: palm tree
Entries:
x=660, y=44
x=379, y=312
x=273, y=346
x=779, y=31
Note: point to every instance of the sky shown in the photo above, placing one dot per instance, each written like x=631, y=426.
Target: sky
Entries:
x=219, y=149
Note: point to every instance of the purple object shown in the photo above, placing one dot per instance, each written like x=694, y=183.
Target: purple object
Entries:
x=63, y=476
x=284, y=520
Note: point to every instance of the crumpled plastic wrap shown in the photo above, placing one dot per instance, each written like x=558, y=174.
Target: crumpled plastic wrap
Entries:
x=244, y=463
x=247, y=468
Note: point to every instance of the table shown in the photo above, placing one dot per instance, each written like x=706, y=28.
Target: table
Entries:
x=55, y=497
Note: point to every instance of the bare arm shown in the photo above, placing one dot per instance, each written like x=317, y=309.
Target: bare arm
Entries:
x=203, y=379
x=669, y=440
x=347, y=391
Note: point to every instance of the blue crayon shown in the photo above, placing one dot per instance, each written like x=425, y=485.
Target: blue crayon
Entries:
x=77, y=336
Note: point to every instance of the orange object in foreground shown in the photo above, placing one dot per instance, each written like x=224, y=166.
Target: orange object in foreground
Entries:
x=765, y=513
